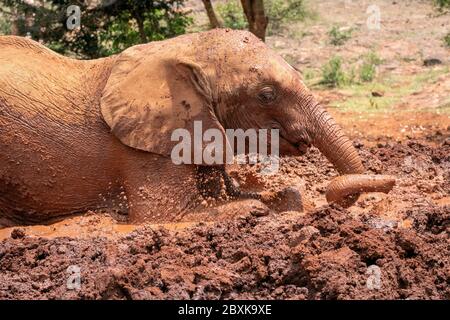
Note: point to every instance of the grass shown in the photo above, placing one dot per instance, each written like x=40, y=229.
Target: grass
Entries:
x=368, y=69
x=339, y=36
x=447, y=40
x=333, y=74
x=442, y=4
x=394, y=88
x=309, y=75
x=282, y=13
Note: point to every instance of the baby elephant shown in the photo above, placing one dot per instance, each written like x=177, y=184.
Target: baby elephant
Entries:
x=78, y=135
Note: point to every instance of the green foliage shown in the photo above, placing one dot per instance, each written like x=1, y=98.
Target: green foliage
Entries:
x=283, y=12
x=368, y=69
x=5, y=25
x=359, y=95
x=309, y=74
x=447, y=40
x=339, y=36
x=367, y=72
x=232, y=15
x=158, y=24
x=442, y=4
x=105, y=29
x=279, y=12
x=332, y=73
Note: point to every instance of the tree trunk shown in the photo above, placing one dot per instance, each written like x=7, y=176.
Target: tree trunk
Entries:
x=257, y=20
x=213, y=20
x=140, y=24
x=14, y=22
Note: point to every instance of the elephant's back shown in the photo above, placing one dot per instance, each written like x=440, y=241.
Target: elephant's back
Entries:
x=49, y=101
x=56, y=149
x=58, y=87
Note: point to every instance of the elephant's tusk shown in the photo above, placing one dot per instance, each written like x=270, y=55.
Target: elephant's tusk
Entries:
x=343, y=189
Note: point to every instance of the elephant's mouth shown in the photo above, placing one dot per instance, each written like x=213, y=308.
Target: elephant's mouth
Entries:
x=297, y=148
x=302, y=146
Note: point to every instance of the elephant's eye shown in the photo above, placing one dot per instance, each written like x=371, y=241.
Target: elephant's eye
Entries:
x=266, y=95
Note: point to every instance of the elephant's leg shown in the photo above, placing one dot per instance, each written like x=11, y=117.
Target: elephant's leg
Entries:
x=139, y=208
x=214, y=182
x=287, y=199
x=157, y=190
x=157, y=202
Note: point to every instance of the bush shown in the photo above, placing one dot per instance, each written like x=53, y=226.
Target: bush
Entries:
x=5, y=25
x=332, y=73
x=369, y=67
x=442, y=4
x=339, y=36
x=367, y=72
x=232, y=15
x=308, y=74
x=282, y=12
x=159, y=24
x=447, y=40
x=107, y=28
x=279, y=12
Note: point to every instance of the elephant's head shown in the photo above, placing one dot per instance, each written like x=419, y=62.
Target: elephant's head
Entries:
x=226, y=79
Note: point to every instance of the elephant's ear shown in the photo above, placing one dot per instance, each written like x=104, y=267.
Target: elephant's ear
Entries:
x=147, y=97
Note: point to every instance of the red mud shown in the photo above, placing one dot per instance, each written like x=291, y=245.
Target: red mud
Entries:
x=322, y=253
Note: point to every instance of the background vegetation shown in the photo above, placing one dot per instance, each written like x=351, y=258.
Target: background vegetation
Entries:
x=110, y=26
x=107, y=26
x=442, y=4
x=279, y=14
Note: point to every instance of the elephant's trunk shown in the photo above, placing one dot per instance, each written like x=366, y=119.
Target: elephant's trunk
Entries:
x=344, y=187
x=330, y=139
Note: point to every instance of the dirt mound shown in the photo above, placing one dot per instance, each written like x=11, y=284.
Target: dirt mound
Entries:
x=327, y=254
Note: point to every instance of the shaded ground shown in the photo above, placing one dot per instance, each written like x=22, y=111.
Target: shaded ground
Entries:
x=386, y=246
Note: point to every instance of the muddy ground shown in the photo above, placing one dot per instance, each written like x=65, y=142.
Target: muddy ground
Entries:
x=393, y=246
